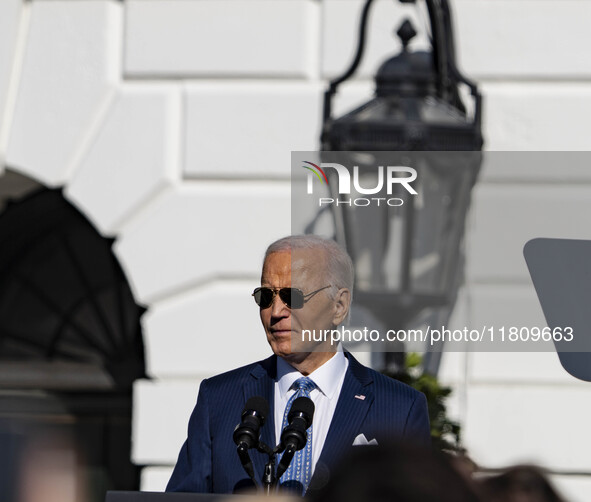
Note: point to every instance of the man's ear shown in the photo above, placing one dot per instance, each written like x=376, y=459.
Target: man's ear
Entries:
x=342, y=304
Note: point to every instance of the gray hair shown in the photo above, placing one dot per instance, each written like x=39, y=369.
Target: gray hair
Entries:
x=339, y=267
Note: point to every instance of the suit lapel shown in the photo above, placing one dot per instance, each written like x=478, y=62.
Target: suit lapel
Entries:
x=354, y=402
x=261, y=383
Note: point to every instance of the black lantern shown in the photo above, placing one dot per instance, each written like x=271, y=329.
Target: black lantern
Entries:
x=407, y=254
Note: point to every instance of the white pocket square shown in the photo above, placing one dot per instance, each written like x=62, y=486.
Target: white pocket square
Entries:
x=361, y=440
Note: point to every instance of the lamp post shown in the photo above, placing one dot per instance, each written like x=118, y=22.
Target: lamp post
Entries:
x=408, y=256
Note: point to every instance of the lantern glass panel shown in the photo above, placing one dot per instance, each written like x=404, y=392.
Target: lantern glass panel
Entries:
x=403, y=243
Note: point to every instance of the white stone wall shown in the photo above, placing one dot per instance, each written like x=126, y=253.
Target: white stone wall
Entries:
x=170, y=123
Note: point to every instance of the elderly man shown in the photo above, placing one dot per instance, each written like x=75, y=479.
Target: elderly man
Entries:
x=306, y=286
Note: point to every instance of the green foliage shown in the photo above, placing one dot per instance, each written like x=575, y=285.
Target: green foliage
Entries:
x=445, y=433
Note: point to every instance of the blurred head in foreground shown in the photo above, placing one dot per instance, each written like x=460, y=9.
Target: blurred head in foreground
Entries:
x=523, y=483
x=396, y=472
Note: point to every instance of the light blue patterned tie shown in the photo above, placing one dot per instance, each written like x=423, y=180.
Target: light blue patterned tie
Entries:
x=298, y=475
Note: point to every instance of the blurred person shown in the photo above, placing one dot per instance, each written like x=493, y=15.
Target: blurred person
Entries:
x=462, y=462
x=521, y=483
x=51, y=470
x=306, y=284
x=395, y=472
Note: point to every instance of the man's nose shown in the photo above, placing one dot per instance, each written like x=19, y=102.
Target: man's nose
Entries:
x=278, y=308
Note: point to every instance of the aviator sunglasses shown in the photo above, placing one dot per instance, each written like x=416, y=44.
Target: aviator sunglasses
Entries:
x=293, y=298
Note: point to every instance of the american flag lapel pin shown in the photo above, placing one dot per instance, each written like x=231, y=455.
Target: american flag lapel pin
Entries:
x=360, y=396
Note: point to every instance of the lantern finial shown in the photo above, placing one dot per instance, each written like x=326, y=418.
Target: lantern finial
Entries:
x=406, y=33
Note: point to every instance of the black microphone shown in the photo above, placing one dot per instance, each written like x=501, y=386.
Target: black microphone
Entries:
x=293, y=437
x=253, y=418
x=247, y=432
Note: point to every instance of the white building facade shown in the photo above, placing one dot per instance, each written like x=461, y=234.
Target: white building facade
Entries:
x=170, y=125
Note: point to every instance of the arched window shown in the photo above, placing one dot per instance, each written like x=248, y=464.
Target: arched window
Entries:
x=70, y=341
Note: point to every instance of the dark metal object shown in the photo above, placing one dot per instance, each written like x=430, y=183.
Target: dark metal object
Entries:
x=417, y=105
x=70, y=340
x=64, y=301
x=561, y=274
x=408, y=259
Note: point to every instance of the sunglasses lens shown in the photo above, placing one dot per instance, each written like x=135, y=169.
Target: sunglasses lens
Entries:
x=285, y=295
x=265, y=297
x=292, y=297
x=257, y=296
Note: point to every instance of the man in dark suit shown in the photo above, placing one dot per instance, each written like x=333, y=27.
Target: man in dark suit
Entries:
x=306, y=287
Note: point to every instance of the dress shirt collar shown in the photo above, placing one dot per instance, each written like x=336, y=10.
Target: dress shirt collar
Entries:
x=326, y=378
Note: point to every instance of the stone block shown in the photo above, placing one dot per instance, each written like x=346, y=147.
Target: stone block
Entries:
x=135, y=154
x=523, y=38
x=509, y=424
x=172, y=38
x=213, y=329
x=249, y=129
x=155, y=479
x=11, y=12
x=500, y=305
x=542, y=368
x=66, y=80
x=506, y=216
x=574, y=488
x=537, y=116
x=202, y=231
x=161, y=412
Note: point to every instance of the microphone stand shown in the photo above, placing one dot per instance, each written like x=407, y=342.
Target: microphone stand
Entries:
x=269, y=478
x=246, y=462
x=271, y=475
x=283, y=466
x=246, y=439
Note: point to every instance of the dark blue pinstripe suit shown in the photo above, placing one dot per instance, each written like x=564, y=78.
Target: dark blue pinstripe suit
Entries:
x=208, y=461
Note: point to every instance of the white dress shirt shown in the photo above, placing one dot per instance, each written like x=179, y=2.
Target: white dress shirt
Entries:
x=329, y=380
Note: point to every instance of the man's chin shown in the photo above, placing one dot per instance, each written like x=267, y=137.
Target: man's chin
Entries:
x=298, y=350
x=288, y=351
x=293, y=357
